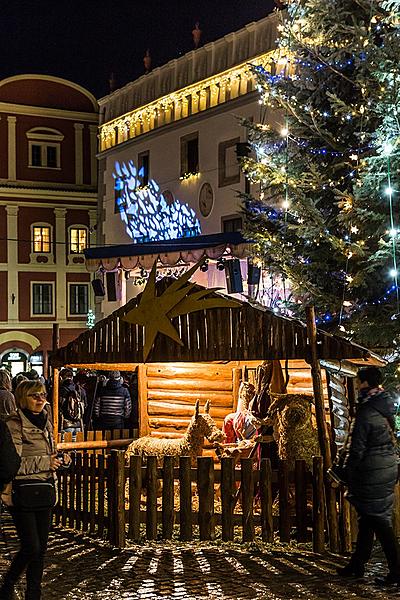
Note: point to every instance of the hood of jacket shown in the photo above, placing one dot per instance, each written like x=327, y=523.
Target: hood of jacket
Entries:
x=382, y=401
x=113, y=384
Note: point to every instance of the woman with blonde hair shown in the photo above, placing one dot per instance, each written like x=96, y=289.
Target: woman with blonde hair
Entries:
x=7, y=400
x=32, y=495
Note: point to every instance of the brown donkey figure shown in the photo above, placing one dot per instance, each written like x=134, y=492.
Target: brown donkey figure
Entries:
x=201, y=426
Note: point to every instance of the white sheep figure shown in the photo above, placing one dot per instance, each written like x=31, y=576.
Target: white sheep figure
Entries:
x=201, y=426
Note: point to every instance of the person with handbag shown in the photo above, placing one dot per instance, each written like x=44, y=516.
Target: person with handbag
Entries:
x=371, y=472
x=32, y=494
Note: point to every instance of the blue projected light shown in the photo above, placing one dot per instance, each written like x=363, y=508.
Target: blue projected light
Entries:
x=145, y=211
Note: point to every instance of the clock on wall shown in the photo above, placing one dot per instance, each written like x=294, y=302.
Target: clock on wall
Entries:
x=206, y=199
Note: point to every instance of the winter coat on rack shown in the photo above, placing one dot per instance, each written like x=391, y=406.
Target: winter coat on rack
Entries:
x=372, y=463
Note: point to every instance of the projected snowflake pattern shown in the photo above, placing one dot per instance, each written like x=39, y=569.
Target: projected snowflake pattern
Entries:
x=144, y=210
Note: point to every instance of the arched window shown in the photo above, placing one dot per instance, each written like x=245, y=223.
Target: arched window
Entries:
x=44, y=148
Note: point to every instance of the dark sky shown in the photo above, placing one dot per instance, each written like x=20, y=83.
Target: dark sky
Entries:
x=85, y=40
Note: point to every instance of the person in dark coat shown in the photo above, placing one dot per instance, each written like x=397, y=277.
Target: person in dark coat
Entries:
x=372, y=472
x=9, y=458
x=113, y=405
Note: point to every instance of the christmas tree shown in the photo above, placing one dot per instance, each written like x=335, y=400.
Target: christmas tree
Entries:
x=325, y=215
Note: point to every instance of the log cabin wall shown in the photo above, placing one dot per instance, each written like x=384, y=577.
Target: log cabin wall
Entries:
x=168, y=393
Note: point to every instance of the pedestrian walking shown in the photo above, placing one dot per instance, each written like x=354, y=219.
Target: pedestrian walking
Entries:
x=9, y=458
x=32, y=495
x=113, y=406
x=72, y=404
x=371, y=467
x=7, y=400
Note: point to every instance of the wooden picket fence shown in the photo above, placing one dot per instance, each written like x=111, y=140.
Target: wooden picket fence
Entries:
x=103, y=496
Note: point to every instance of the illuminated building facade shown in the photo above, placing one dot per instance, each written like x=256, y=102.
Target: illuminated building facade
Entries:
x=170, y=141
x=48, y=197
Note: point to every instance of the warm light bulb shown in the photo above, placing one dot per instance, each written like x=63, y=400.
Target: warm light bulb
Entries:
x=285, y=204
x=284, y=131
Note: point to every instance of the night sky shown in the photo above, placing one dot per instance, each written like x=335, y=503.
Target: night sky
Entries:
x=86, y=40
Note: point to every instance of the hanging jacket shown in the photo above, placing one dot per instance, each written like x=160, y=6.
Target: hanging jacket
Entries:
x=113, y=400
x=7, y=404
x=372, y=463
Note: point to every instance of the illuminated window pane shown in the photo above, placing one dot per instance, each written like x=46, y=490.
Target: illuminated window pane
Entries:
x=77, y=240
x=41, y=239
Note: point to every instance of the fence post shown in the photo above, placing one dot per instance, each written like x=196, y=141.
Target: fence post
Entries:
x=185, y=499
x=100, y=494
x=227, y=497
x=168, y=498
x=117, y=488
x=267, y=526
x=151, y=498
x=346, y=523
x=284, y=516
x=300, y=479
x=135, y=491
x=205, y=488
x=318, y=512
x=247, y=499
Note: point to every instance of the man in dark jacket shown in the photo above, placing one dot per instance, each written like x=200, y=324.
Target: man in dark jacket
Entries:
x=372, y=469
x=9, y=459
x=72, y=403
x=113, y=404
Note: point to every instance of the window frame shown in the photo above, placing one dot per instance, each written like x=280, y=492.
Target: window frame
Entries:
x=144, y=180
x=44, y=137
x=43, y=315
x=231, y=218
x=223, y=178
x=77, y=227
x=82, y=284
x=41, y=226
x=184, y=166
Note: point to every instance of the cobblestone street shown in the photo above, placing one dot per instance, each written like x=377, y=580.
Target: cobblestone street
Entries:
x=81, y=568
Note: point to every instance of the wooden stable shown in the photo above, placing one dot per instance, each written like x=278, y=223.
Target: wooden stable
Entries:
x=220, y=347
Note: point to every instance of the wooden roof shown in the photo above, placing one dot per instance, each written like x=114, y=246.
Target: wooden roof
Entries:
x=242, y=333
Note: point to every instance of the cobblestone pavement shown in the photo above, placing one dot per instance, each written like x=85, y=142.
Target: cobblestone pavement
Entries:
x=82, y=568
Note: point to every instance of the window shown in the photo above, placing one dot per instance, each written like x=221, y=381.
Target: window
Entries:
x=78, y=240
x=41, y=238
x=42, y=298
x=190, y=154
x=44, y=147
x=144, y=168
x=230, y=224
x=78, y=299
x=228, y=165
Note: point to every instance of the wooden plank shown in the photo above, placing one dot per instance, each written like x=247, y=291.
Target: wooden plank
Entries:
x=100, y=495
x=78, y=483
x=205, y=489
x=64, y=496
x=142, y=400
x=190, y=396
x=135, y=489
x=151, y=498
x=56, y=399
x=301, y=500
x=92, y=494
x=71, y=495
x=267, y=528
x=119, y=496
x=236, y=380
x=247, y=489
x=318, y=505
x=85, y=491
x=168, y=498
x=190, y=370
x=284, y=516
x=227, y=497
x=185, y=499
x=347, y=542
x=110, y=470
x=160, y=384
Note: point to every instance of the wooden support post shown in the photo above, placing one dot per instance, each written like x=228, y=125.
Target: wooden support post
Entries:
x=56, y=337
x=205, y=488
x=168, y=498
x=324, y=443
x=151, y=498
x=117, y=516
x=284, y=515
x=56, y=388
x=247, y=499
x=267, y=526
x=135, y=491
x=301, y=500
x=227, y=497
x=185, y=499
x=318, y=512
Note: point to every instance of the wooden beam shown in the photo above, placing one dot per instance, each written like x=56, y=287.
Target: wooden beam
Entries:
x=56, y=384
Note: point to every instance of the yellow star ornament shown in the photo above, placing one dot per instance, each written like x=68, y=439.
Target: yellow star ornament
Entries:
x=154, y=312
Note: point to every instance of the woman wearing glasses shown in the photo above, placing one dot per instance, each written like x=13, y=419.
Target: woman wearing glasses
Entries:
x=32, y=494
